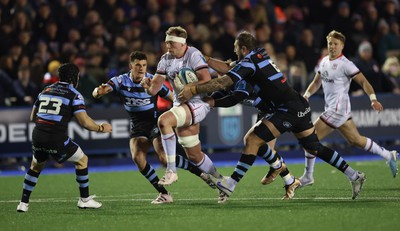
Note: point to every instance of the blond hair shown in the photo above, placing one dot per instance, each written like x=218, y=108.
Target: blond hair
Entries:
x=177, y=31
x=337, y=35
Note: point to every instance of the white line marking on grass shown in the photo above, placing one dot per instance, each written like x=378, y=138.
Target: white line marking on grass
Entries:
x=103, y=199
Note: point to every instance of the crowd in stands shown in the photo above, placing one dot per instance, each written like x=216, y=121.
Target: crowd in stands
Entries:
x=98, y=35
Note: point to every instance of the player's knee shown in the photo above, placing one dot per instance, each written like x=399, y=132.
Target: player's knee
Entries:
x=262, y=132
x=180, y=115
x=311, y=144
x=188, y=141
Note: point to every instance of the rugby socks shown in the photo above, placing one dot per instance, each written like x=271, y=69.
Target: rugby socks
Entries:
x=31, y=178
x=309, y=160
x=169, y=145
x=152, y=177
x=266, y=153
x=333, y=158
x=245, y=162
x=289, y=179
x=373, y=147
x=184, y=163
x=82, y=177
x=207, y=166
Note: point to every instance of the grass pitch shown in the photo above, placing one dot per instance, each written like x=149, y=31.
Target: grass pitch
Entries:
x=126, y=197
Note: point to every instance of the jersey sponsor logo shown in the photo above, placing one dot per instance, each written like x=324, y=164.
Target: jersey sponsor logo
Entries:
x=325, y=77
x=136, y=102
x=302, y=114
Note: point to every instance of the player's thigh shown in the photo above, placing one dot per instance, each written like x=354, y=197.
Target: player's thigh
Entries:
x=322, y=129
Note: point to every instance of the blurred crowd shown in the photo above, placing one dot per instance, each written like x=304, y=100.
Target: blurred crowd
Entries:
x=98, y=36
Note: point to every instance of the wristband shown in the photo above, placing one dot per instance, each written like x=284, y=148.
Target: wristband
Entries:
x=193, y=90
x=372, y=97
x=101, y=128
x=307, y=94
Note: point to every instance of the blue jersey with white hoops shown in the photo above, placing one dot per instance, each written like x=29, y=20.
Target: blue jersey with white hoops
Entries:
x=134, y=97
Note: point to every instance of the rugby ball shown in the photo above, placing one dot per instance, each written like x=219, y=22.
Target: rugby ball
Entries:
x=187, y=75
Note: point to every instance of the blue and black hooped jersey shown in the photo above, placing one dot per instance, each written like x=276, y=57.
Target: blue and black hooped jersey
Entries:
x=56, y=105
x=134, y=97
x=267, y=80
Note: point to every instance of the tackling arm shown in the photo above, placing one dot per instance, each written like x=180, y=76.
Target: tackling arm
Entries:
x=221, y=83
x=222, y=67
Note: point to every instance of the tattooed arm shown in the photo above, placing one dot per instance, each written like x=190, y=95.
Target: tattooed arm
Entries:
x=221, y=83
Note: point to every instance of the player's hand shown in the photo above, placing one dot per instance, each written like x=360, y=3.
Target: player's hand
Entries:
x=146, y=83
x=100, y=90
x=376, y=105
x=185, y=94
x=107, y=127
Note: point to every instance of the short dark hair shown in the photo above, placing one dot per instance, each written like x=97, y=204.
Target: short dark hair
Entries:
x=68, y=72
x=138, y=55
x=246, y=39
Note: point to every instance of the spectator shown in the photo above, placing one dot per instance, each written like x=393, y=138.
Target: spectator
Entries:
x=369, y=67
x=26, y=90
x=341, y=20
x=5, y=89
x=72, y=19
x=391, y=68
x=51, y=76
x=389, y=43
x=42, y=18
x=306, y=47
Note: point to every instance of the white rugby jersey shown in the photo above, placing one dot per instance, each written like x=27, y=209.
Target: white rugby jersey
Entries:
x=336, y=76
x=170, y=67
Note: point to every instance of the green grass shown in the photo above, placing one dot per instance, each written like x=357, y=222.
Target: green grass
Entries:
x=126, y=197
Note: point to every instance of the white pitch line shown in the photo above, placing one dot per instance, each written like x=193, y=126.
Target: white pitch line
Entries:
x=102, y=199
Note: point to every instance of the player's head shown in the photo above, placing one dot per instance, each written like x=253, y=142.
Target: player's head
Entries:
x=335, y=43
x=138, y=65
x=244, y=43
x=175, y=40
x=337, y=35
x=69, y=73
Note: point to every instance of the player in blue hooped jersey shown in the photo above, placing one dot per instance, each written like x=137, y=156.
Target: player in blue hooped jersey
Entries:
x=242, y=92
x=143, y=114
x=52, y=111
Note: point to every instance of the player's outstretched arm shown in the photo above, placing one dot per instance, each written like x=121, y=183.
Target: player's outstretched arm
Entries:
x=85, y=121
x=221, y=83
x=101, y=90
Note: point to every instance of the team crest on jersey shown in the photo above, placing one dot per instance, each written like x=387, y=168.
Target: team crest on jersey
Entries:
x=334, y=66
x=286, y=124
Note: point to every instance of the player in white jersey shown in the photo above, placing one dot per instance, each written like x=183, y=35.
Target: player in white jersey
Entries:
x=335, y=73
x=183, y=118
